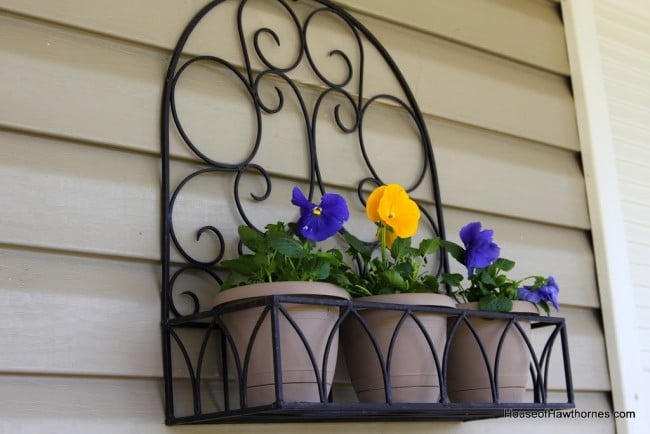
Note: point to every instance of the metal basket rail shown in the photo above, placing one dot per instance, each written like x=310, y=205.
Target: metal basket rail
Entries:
x=230, y=387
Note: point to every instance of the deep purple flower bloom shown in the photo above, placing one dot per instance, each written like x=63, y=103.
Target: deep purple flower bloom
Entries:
x=319, y=222
x=548, y=292
x=480, y=251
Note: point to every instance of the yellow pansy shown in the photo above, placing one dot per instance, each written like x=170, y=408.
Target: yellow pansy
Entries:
x=391, y=206
x=372, y=205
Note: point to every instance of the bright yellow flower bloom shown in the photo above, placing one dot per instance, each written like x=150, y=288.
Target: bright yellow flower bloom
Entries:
x=372, y=206
x=391, y=206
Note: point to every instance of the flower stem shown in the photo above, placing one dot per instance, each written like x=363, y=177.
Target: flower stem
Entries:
x=383, y=245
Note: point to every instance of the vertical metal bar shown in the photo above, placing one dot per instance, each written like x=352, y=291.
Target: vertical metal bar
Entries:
x=310, y=353
x=567, y=364
x=277, y=357
x=224, y=372
x=164, y=253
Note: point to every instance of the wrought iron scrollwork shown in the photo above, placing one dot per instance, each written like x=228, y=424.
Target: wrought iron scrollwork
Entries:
x=349, y=86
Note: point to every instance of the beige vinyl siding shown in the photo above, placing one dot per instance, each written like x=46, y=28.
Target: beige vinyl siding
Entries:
x=624, y=41
x=114, y=405
x=79, y=177
x=541, y=36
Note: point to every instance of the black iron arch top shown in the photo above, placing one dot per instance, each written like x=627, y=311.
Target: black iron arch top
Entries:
x=255, y=67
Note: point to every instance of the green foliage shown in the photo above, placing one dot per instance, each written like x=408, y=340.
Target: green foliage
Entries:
x=280, y=254
x=489, y=286
x=403, y=272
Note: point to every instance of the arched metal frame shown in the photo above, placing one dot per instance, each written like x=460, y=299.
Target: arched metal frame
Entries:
x=206, y=322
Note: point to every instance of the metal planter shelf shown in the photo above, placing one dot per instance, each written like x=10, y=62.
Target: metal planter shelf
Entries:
x=194, y=344
x=549, y=336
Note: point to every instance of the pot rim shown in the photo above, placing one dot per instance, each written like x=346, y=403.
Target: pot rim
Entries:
x=412, y=298
x=256, y=290
x=518, y=306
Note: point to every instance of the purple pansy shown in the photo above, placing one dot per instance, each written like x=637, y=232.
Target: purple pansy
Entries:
x=319, y=222
x=480, y=251
x=546, y=293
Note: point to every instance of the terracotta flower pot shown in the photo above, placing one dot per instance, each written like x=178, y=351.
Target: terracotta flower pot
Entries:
x=299, y=382
x=413, y=373
x=468, y=379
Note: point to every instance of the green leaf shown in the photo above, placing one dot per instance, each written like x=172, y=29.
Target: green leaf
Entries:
x=394, y=279
x=430, y=283
x=505, y=264
x=245, y=265
x=404, y=268
x=454, y=279
x=285, y=244
x=251, y=238
x=230, y=283
x=486, y=278
x=334, y=255
x=358, y=246
x=359, y=291
x=401, y=248
x=495, y=304
x=386, y=290
x=544, y=307
x=429, y=246
x=317, y=268
x=339, y=278
x=456, y=251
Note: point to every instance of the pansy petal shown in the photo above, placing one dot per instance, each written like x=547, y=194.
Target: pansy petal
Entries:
x=551, y=292
x=317, y=228
x=526, y=294
x=308, y=226
x=482, y=255
x=406, y=219
x=330, y=225
x=392, y=193
x=299, y=199
x=372, y=204
x=480, y=251
x=334, y=207
x=399, y=211
x=469, y=232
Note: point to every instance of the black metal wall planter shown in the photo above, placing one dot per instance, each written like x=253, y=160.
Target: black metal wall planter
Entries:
x=206, y=379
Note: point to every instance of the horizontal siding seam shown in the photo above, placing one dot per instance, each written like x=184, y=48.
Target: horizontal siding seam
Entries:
x=637, y=163
x=87, y=376
x=586, y=227
x=625, y=180
x=620, y=44
x=607, y=11
x=628, y=142
x=639, y=243
x=613, y=79
x=27, y=246
x=642, y=109
x=634, y=201
x=619, y=52
x=45, y=133
x=632, y=124
x=134, y=378
x=629, y=68
x=41, y=133
x=66, y=26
